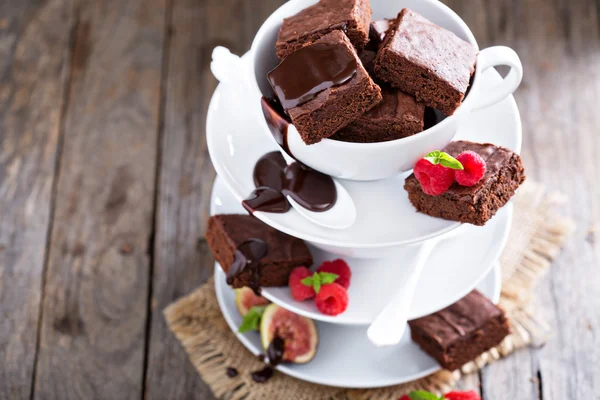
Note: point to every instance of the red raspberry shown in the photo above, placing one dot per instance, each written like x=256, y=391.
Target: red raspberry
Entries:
x=338, y=267
x=332, y=299
x=405, y=397
x=435, y=179
x=299, y=290
x=474, y=168
x=470, y=395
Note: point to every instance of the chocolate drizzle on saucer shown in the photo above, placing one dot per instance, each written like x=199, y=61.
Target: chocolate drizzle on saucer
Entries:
x=274, y=356
x=275, y=180
x=247, y=256
x=320, y=66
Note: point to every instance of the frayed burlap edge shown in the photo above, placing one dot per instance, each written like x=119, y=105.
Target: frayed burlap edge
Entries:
x=534, y=242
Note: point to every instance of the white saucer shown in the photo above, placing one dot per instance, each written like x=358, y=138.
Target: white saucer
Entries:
x=456, y=266
x=385, y=218
x=346, y=357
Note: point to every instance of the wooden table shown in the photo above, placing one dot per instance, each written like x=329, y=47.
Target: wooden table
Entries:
x=105, y=183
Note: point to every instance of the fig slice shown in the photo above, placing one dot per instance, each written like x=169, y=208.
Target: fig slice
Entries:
x=245, y=299
x=299, y=334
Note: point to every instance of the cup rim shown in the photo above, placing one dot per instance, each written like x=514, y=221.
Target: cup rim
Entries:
x=375, y=145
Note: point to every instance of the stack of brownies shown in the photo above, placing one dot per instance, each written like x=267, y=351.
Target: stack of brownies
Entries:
x=390, y=73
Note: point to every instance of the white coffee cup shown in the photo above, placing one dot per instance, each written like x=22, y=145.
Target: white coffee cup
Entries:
x=373, y=161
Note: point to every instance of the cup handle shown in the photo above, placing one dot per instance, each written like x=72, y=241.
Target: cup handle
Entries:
x=229, y=68
x=491, y=57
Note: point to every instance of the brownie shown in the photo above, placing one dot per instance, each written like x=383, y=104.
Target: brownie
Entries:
x=397, y=116
x=427, y=61
x=473, y=204
x=312, y=23
x=377, y=30
x=228, y=231
x=462, y=331
x=317, y=103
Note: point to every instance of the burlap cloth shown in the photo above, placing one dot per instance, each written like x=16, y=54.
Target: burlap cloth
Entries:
x=536, y=238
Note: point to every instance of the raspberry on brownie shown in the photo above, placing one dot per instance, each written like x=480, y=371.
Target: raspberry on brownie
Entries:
x=314, y=22
x=426, y=61
x=475, y=204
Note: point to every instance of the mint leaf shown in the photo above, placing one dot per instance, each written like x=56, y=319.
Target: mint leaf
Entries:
x=328, y=277
x=319, y=279
x=317, y=282
x=252, y=319
x=308, y=281
x=444, y=159
x=422, y=395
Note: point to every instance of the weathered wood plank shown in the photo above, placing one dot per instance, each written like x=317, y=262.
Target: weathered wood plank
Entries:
x=182, y=260
x=95, y=307
x=34, y=44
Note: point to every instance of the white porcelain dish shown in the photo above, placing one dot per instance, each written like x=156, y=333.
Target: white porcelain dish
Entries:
x=385, y=221
x=345, y=357
x=457, y=265
x=371, y=161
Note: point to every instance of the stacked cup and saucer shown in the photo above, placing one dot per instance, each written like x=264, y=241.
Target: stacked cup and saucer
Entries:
x=405, y=264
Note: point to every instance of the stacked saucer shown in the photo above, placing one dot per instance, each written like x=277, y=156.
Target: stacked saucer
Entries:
x=387, y=237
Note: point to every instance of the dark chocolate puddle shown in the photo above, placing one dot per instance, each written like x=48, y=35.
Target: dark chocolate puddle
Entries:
x=274, y=357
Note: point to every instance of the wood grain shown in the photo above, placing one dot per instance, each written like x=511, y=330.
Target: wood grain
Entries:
x=182, y=260
x=94, y=311
x=34, y=44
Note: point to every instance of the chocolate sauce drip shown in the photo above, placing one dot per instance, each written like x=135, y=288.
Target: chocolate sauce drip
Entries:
x=459, y=329
x=310, y=70
x=311, y=189
x=247, y=256
x=274, y=357
x=263, y=375
x=232, y=372
x=277, y=121
x=275, y=351
x=266, y=199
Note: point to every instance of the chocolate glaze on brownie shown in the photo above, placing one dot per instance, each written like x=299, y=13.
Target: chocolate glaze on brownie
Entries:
x=474, y=204
x=350, y=16
x=462, y=331
x=427, y=61
x=397, y=116
x=335, y=106
x=226, y=232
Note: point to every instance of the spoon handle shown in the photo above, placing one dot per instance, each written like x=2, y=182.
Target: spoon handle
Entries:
x=388, y=327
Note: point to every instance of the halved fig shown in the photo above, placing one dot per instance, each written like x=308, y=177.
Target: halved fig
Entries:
x=299, y=334
x=245, y=299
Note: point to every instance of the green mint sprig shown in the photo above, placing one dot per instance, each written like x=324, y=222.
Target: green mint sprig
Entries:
x=422, y=395
x=444, y=159
x=252, y=319
x=319, y=279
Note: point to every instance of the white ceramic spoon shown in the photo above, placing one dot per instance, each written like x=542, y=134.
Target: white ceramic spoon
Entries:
x=388, y=327
x=231, y=70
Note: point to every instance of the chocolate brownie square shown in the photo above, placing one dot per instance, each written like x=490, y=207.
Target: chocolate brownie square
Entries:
x=283, y=252
x=314, y=22
x=461, y=332
x=427, y=61
x=473, y=204
x=318, y=103
x=397, y=116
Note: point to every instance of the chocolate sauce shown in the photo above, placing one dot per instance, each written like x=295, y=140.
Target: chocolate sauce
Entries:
x=232, y=372
x=274, y=356
x=275, y=351
x=277, y=121
x=247, y=256
x=313, y=190
x=263, y=375
x=266, y=199
x=310, y=70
